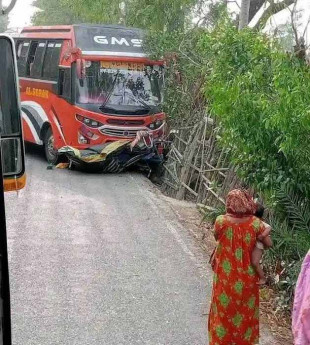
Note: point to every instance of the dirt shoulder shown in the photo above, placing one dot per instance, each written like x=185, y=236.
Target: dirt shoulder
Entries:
x=275, y=329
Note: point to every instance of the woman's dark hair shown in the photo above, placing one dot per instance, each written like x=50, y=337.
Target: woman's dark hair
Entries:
x=260, y=210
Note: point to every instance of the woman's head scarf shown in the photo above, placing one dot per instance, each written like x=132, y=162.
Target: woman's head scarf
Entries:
x=240, y=203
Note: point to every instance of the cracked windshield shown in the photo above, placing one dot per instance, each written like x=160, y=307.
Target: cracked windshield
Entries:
x=155, y=164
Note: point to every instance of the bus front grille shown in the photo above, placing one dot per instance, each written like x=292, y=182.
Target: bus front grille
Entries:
x=119, y=133
x=118, y=122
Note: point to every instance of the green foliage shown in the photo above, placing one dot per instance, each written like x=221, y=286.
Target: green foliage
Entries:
x=211, y=215
x=53, y=12
x=184, y=73
x=296, y=209
x=158, y=15
x=216, y=12
x=96, y=11
x=283, y=260
x=260, y=95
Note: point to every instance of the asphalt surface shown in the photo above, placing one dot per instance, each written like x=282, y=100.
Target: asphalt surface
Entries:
x=101, y=259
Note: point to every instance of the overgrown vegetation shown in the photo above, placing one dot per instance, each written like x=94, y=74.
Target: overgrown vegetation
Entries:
x=157, y=14
x=259, y=96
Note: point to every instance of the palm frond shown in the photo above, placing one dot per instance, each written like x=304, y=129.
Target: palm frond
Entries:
x=296, y=207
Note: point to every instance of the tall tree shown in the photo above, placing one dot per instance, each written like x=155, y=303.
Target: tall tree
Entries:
x=4, y=19
x=160, y=14
x=244, y=13
x=254, y=7
x=267, y=9
x=97, y=11
x=53, y=12
x=151, y=14
x=4, y=22
x=8, y=9
x=215, y=13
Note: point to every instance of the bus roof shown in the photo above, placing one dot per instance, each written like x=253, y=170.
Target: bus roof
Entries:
x=93, y=39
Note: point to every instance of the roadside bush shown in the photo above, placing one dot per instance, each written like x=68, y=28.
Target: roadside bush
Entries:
x=260, y=98
x=185, y=77
x=260, y=95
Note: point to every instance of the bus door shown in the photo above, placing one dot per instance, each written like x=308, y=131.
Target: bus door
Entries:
x=12, y=166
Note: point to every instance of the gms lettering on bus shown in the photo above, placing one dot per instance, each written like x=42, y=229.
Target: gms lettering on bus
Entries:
x=120, y=41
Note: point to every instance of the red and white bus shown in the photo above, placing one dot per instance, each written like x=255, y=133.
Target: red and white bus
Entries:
x=85, y=85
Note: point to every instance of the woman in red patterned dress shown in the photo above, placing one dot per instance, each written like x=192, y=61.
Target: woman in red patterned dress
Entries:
x=234, y=313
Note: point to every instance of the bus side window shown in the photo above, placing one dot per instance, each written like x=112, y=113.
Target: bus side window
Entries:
x=65, y=83
x=31, y=55
x=36, y=70
x=51, y=60
x=22, y=59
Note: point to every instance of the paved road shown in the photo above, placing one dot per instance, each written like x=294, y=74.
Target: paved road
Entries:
x=101, y=259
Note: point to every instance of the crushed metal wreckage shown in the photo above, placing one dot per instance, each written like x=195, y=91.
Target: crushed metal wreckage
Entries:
x=115, y=157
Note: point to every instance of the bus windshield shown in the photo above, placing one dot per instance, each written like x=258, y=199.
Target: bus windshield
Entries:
x=111, y=84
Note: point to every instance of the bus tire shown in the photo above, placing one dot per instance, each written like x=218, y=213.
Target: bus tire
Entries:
x=51, y=154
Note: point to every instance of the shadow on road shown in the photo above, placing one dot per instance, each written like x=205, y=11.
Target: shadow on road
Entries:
x=35, y=151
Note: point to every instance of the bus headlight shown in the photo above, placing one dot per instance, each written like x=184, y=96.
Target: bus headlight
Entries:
x=82, y=139
x=88, y=122
x=155, y=125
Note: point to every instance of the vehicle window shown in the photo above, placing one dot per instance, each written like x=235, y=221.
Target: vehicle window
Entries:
x=9, y=114
x=31, y=55
x=65, y=83
x=22, y=59
x=11, y=153
x=51, y=60
x=36, y=70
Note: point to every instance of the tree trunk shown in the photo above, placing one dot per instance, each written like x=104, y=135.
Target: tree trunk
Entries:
x=271, y=8
x=6, y=11
x=254, y=8
x=4, y=21
x=244, y=13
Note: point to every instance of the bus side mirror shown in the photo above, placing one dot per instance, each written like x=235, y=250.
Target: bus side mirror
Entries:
x=11, y=139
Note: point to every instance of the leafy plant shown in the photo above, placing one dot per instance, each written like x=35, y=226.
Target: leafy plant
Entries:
x=296, y=208
x=211, y=215
x=156, y=15
x=259, y=96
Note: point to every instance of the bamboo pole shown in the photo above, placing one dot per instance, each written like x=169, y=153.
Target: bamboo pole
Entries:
x=188, y=154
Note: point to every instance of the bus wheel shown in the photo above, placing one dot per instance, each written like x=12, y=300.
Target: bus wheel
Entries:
x=50, y=153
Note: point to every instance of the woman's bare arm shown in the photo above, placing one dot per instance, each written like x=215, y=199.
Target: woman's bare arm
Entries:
x=267, y=241
x=266, y=232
